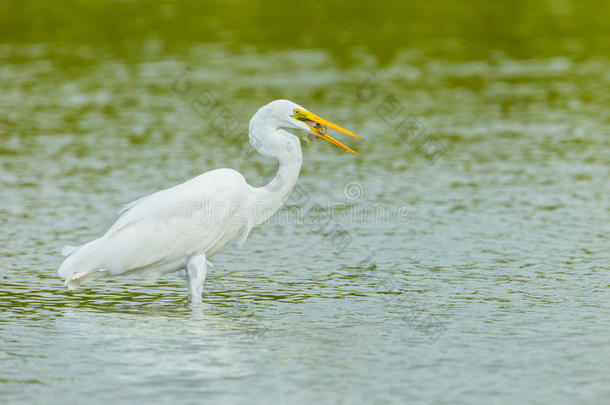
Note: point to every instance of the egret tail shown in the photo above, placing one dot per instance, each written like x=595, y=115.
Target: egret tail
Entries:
x=80, y=264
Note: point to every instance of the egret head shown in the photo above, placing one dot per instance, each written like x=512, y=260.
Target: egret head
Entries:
x=288, y=116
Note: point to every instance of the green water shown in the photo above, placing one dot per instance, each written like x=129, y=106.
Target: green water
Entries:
x=465, y=259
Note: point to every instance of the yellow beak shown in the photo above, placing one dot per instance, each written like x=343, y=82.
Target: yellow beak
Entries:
x=323, y=125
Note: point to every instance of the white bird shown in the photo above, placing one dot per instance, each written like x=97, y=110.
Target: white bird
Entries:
x=182, y=227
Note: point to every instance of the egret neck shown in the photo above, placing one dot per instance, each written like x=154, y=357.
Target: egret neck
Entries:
x=269, y=198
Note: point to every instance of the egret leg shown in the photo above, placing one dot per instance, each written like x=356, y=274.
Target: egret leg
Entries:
x=195, y=276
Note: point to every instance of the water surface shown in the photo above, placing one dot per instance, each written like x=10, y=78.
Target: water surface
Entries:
x=484, y=279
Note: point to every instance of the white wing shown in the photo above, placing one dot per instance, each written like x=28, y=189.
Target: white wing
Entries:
x=161, y=230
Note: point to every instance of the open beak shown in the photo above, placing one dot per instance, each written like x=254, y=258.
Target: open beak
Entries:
x=321, y=127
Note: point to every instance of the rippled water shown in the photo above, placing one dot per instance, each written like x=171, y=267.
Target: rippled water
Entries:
x=473, y=269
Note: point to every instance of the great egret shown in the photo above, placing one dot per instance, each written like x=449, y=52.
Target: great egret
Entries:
x=183, y=226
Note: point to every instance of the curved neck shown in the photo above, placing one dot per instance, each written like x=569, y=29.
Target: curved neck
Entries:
x=270, y=197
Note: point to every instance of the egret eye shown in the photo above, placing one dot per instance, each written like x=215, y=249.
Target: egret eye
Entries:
x=299, y=114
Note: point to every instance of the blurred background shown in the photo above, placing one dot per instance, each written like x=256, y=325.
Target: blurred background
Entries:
x=486, y=128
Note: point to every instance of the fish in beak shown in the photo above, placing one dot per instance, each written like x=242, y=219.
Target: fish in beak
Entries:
x=319, y=126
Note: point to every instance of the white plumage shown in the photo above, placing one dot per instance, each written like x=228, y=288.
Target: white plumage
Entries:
x=183, y=226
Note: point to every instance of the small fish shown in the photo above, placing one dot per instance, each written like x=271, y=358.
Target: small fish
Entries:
x=311, y=138
x=322, y=128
